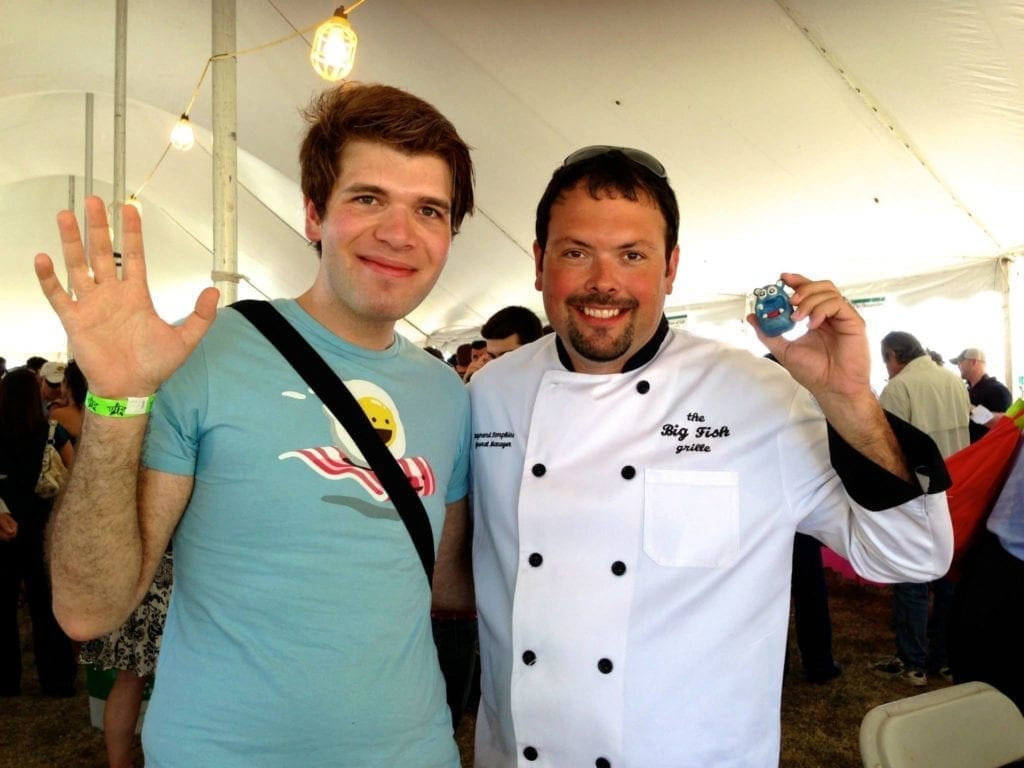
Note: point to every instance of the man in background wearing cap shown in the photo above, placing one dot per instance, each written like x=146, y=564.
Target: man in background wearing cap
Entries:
x=51, y=385
x=982, y=389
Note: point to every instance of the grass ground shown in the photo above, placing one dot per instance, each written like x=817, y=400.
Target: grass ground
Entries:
x=819, y=722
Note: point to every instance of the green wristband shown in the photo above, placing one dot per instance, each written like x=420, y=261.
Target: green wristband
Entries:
x=119, y=409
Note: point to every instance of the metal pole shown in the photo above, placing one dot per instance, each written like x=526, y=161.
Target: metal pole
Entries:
x=120, y=68
x=71, y=207
x=1013, y=319
x=88, y=174
x=89, y=109
x=225, y=153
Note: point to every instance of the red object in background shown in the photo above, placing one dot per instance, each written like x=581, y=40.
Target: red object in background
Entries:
x=978, y=473
x=842, y=566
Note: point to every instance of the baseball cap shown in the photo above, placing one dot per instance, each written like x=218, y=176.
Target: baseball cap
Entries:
x=971, y=353
x=53, y=372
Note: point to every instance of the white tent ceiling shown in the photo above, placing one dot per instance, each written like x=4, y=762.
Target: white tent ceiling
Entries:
x=853, y=140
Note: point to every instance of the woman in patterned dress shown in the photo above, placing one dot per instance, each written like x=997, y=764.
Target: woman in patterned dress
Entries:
x=132, y=650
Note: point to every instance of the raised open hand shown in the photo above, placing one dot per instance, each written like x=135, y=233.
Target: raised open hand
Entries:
x=122, y=346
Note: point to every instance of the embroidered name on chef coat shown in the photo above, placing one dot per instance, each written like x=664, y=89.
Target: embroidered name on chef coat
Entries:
x=694, y=433
x=493, y=439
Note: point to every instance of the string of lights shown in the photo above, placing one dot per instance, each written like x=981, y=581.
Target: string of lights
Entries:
x=332, y=55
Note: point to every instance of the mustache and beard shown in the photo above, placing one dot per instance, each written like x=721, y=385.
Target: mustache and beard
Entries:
x=600, y=344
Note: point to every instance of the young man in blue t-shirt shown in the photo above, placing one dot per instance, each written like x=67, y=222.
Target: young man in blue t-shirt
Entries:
x=298, y=631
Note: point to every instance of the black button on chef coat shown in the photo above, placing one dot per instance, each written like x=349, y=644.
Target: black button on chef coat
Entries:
x=629, y=472
x=618, y=567
x=530, y=754
x=604, y=666
x=539, y=470
x=536, y=559
x=643, y=386
x=529, y=658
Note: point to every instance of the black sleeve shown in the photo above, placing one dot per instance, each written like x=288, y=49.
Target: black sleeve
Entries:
x=876, y=488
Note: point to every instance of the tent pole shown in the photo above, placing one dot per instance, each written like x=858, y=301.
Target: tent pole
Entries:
x=89, y=109
x=71, y=207
x=225, y=153
x=1012, y=319
x=120, y=68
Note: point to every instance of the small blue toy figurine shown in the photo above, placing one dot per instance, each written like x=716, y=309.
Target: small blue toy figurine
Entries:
x=772, y=309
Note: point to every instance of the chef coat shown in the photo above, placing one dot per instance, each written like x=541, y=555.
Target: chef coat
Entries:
x=632, y=551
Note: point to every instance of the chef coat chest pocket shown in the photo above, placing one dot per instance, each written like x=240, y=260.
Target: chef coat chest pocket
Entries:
x=691, y=518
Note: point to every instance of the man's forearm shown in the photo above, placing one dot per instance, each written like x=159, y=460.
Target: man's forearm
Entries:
x=861, y=422
x=95, y=540
x=453, y=572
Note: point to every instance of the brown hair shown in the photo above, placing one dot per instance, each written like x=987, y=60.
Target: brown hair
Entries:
x=21, y=406
x=386, y=115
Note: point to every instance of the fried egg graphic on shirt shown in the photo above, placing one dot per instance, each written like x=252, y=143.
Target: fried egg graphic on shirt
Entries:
x=345, y=461
x=382, y=412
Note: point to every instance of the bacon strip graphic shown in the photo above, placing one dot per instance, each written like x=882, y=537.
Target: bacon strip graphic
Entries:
x=329, y=462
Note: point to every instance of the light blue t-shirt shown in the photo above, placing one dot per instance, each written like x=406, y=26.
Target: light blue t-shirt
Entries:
x=299, y=630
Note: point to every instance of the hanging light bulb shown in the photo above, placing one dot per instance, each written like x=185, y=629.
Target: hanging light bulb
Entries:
x=182, y=135
x=334, y=47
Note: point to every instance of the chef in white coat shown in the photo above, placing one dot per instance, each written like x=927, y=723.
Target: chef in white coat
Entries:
x=637, y=490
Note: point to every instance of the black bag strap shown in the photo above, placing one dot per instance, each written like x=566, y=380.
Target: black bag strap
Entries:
x=335, y=395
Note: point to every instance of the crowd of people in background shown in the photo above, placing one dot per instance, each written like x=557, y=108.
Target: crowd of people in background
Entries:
x=39, y=399
x=27, y=396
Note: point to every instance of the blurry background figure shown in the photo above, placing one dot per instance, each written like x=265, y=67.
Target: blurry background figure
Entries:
x=462, y=358
x=936, y=357
x=810, y=611
x=70, y=415
x=477, y=349
x=810, y=607
x=132, y=650
x=51, y=385
x=3, y=367
x=8, y=525
x=933, y=400
x=984, y=624
x=34, y=363
x=505, y=330
x=508, y=329
x=23, y=434
x=479, y=358
x=929, y=397
x=982, y=389
x=435, y=352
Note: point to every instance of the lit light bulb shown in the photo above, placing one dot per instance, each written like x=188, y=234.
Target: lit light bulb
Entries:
x=182, y=135
x=334, y=47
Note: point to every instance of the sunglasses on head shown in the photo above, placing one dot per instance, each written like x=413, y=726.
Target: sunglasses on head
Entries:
x=638, y=156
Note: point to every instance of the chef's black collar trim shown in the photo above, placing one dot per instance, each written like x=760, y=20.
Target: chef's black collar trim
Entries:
x=643, y=356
